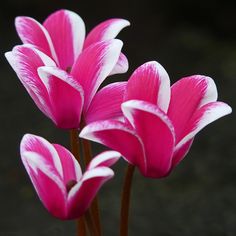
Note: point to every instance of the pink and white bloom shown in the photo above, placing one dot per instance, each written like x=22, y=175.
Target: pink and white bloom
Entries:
x=65, y=97
x=160, y=121
x=62, y=37
x=57, y=178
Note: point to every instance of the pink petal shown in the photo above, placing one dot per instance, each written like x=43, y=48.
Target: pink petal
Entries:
x=201, y=118
x=106, y=30
x=106, y=103
x=156, y=132
x=82, y=194
x=93, y=65
x=25, y=62
x=44, y=174
x=71, y=168
x=119, y=137
x=121, y=66
x=66, y=96
x=67, y=31
x=33, y=143
x=32, y=32
x=107, y=159
x=187, y=95
x=150, y=82
x=180, y=153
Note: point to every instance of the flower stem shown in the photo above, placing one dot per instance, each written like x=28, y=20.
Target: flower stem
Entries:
x=74, y=142
x=95, y=205
x=125, y=201
x=91, y=224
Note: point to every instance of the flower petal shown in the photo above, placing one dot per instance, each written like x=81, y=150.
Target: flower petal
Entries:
x=153, y=77
x=107, y=159
x=117, y=136
x=106, y=30
x=67, y=31
x=201, y=118
x=106, y=103
x=121, y=66
x=32, y=32
x=34, y=143
x=187, y=95
x=66, y=96
x=44, y=168
x=25, y=61
x=82, y=194
x=70, y=166
x=156, y=132
x=94, y=64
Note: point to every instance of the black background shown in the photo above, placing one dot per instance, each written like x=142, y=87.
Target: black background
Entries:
x=186, y=37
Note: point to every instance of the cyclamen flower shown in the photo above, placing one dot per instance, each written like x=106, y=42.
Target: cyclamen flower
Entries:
x=65, y=97
x=57, y=178
x=160, y=121
x=62, y=71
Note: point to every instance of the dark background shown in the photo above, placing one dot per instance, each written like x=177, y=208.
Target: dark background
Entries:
x=186, y=37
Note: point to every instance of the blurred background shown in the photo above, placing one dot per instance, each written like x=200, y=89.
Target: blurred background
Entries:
x=186, y=37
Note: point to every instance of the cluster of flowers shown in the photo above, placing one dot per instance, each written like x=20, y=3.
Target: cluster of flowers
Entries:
x=145, y=120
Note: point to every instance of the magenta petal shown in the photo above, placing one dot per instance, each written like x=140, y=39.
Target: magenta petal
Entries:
x=32, y=32
x=180, y=153
x=187, y=95
x=66, y=96
x=41, y=162
x=121, y=66
x=70, y=166
x=202, y=117
x=117, y=136
x=153, y=77
x=67, y=31
x=25, y=61
x=107, y=159
x=106, y=30
x=156, y=132
x=93, y=65
x=82, y=194
x=106, y=104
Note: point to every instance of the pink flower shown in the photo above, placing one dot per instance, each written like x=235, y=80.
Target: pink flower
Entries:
x=160, y=121
x=62, y=37
x=65, y=97
x=62, y=71
x=57, y=176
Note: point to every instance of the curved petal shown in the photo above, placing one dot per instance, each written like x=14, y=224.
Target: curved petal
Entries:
x=121, y=66
x=82, y=194
x=119, y=137
x=34, y=143
x=32, y=32
x=187, y=95
x=67, y=31
x=93, y=65
x=106, y=30
x=41, y=162
x=25, y=61
x=156, y=132
x=71, y=168
x=180, y=153
x=202, y=117
x=66, y=96
x=153, y=78
x=107, y=159
x=106, y=104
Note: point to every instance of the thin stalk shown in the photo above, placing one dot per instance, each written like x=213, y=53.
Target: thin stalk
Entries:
x=125, y=201
x=91, y=224
x=95, y=205
x=74, y=142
